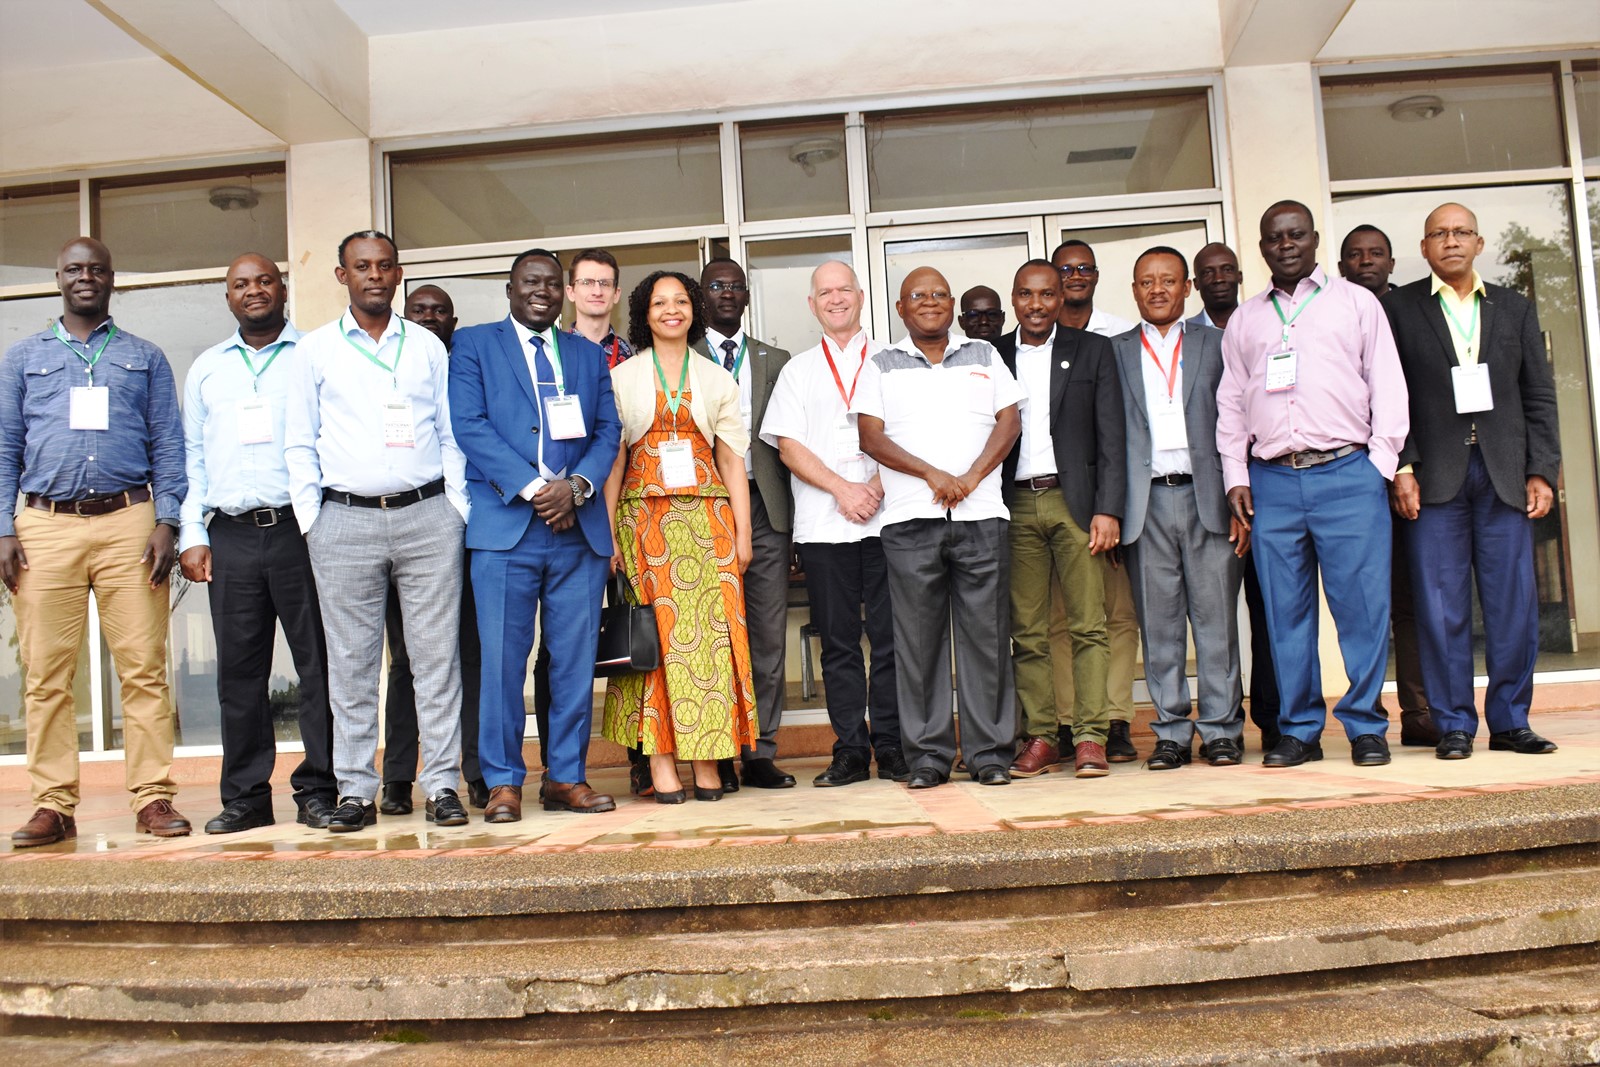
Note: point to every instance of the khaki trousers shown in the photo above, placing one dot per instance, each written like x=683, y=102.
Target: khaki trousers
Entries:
x=1122, y=634
x=67, y=556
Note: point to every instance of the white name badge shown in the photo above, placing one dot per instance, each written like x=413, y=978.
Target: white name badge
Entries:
x=399, y=426
x=1166, y=428
x=563, y=418
x=677, y=465
x=846, y=439
x=90, y=408
x=255, y=421
x=1281, y=370
x=1473, y=392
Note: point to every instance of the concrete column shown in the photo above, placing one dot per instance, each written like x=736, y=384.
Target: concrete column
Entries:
x=330, y=196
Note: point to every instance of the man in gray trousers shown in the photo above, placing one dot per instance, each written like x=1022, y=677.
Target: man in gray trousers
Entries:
x=1182, y=545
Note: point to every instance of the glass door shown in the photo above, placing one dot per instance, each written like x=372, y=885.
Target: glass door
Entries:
x=1120, y=237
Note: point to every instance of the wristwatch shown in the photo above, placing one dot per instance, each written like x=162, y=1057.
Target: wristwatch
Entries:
x=578, y=494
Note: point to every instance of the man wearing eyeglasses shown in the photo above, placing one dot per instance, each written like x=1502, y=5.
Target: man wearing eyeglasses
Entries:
x=594, y=290
x=1478, y=468
x=755, y=365
x=982, y=317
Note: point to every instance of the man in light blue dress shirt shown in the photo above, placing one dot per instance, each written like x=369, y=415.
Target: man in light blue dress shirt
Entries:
x=378, y=487
x=253, y=555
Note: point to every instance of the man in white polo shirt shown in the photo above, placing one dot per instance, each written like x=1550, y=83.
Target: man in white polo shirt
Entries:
x=939, y=413
x=838, y=509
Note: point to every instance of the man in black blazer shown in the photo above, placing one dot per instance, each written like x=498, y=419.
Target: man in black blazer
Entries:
x=1477, y=469
x=1065, y=484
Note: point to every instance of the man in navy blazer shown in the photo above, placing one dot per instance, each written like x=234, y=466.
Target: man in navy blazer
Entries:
x=534, y=414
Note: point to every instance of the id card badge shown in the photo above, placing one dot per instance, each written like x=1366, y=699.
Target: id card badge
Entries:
x=677, y=465
x=1167, y=431
x=846, y=440
x=255, y=421
x=90, y=408
x=1473, y=392
x=1281, y=370
x=563, y=417
x=399, y=426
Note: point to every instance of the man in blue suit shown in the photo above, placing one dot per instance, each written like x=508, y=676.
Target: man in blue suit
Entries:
x=534, y=414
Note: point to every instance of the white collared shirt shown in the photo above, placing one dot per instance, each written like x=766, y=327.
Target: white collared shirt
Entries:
x=1168, y=348
x=525, y=338
x=1036, y=457
x=746, y=401
x=1106, y=324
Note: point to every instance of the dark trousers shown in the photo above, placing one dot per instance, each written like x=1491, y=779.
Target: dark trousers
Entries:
x=1263, y=679
x=400, y=707
x=840, y=579
x=1403, y=615
x=261, y=576
x=766, y=612
x=1475, y=533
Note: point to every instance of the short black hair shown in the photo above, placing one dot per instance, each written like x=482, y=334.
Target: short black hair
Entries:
x=1366, y=227
x=542, y=253
x=1164, y=250
x=363, y=235
x=717, y=261
x=1034, y=264
x=1072, y=242
x=602, y=257
x=639, y=308
x=1296, y=205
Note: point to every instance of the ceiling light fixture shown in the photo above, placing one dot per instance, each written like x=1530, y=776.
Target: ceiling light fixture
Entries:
x=816, y=150
x=1416, y=109
x=233, y=198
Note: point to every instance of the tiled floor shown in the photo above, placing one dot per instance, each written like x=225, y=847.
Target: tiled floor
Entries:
x=805, y=814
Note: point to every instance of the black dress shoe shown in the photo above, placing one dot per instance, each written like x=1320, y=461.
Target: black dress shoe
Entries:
x=1269, y=740
x=925, y=778
x=477, y=793
x=315, y=812
x=994, y=774
x=846, y=769
x=892, y=765
x=1369, y=750
x=1457, y=744
x=1223, y=752
x=1291, y=752
x=1168, y=756
x=1522, y=740
x=1119, y=746
x=396, y=799
x=445, y=809
x=239, y=815
x=764, y=774
x=351, y=815
x=729, y=775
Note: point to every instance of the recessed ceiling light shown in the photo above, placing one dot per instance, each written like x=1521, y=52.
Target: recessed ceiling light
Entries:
x=1416, y=109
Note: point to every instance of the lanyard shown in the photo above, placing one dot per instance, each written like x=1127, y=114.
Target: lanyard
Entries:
x=673, y=399
x=255, y=375
x=616, y=346
x=90, y=360
x=1471, y=331
x=738, y=362
x=373, y=356
x=556, y=367
x=851, y=395
x=1177, y=360
x=1287, y=322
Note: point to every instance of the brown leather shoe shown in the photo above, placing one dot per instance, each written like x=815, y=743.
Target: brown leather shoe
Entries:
x=159, y=817
x=45, y=828
x=575, y=796
x=505, y=804
x=1037, y=757
x=1089, y=760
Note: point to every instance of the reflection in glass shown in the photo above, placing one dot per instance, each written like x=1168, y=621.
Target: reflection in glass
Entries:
x=1038, y=151
x=1117, y=248
x=199, y=222
x=780, y=283
x=1586, y=86
x=1441, y=124
x=34, y=224
x=964, y=261
x=793, y=170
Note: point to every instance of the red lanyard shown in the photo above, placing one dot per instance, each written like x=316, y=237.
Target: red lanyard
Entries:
x=851, y=395
x=1177, y=360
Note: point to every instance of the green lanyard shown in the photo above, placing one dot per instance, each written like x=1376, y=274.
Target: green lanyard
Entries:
x=373, y=356
x=89, y=360
x=673, y=399
x=556, y=367
x=255, y=375
x=1467, y=336
x=1287, y=322
x=738, y=362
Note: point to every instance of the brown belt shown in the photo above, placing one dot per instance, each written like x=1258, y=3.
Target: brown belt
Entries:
x=1049, y=481
x=1312, y=458
x=91, y=505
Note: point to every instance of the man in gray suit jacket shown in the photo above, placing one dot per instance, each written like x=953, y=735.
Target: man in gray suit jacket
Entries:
x=1182, y=545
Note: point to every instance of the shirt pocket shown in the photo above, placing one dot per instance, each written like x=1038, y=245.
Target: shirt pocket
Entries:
x=45, y=386
x=128, y=377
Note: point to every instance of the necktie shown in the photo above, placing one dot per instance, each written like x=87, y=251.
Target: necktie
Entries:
x=728, y=351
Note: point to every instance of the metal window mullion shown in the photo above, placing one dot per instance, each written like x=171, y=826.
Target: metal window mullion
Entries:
x=1222, y=156
x=1582, y=236
x=732, y=187
x=855, y=173
x=1456, y=180
x=88, y=212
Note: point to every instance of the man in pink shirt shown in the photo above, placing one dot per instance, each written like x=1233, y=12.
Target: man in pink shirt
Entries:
x=1311, y=417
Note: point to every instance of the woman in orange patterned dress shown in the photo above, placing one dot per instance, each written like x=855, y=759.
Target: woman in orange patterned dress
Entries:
x=680, y=506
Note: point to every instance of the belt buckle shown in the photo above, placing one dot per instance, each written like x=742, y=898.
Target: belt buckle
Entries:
x=272, y=514
x=1294, y=460
x=383, y=501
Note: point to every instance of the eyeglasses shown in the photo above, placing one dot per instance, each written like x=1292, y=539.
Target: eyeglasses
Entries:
x=1087, y=270
x=602, y=284
x=1458, y=233
x=727, y=287
x=974, y=315
x=939, y=296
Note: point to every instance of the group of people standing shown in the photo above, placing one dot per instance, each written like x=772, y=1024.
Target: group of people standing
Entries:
x=1054, y=495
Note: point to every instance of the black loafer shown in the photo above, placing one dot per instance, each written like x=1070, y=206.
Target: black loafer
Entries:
x=765, y=774
x=478, y=793
x=892, y=765
x=445, y=809
x=729, y=775
x=1223, y=752
x=239, y=815
x=1369, y=750
x=1456, y=744
x=994, y=774
x=1291, y=752
x=396, y=798
x=352, y=814
x=1167, y=756
x=846, y=769
x=1524, y=740
x=1119, y=746
x=315, y=813
x=925, y=778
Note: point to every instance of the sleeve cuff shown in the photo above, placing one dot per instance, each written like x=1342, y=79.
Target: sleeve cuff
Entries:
x=532, y=487
x=193, y=535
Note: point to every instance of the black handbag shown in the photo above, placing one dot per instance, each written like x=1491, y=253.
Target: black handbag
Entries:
x=629, y=640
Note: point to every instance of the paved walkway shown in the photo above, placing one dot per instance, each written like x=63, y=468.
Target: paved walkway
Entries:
x=794, y=817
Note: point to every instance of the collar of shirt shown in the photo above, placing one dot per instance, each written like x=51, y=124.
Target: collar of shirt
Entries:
x=1106, y=324
x=1438, y=284
x=351, y=328
x=855, y=344
x=1163, y=345
x=1204, y=318
x=952, y=341
x=714, y=341
x=289, y=336
x=1047, y=343
x=1317, y=279
x=59, y=328
x=526, y=336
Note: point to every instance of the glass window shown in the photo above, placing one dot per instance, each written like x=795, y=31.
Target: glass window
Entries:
x=20, y=318
x=557, y=189
x=965, y=261
x=1442, y=124
x=1038, y=151
x=34, y=224
x=1527, y=232
x=1586, y=83
x=203, y=221
x=793, y=170
x=1118, y=248
x=780, y=283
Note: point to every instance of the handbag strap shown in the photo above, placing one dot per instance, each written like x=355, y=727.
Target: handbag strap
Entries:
x=618, y=591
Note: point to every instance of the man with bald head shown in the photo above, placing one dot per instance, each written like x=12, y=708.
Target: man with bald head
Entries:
x=1479, y=466
x=982, y=317
x=253, y=555
x=431, y=308
x=1217, y=280
x=939, y=413
x=89, y=435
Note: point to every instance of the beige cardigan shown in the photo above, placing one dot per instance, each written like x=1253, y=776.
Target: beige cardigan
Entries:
x=713, y=399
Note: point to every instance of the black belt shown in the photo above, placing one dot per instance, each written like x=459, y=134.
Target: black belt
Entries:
x=1049, y=481
x=1312, y=458
x=1172, y=479
x=389, y=501
x=260, y=516
x=102, y=504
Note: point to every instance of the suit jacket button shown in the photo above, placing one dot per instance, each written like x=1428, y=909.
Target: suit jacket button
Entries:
x=536, y=429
